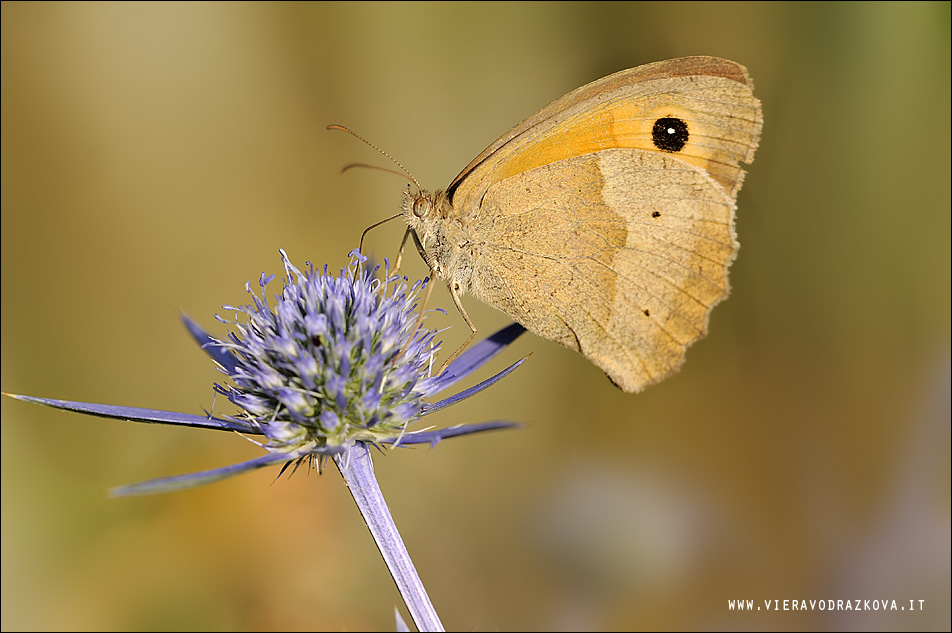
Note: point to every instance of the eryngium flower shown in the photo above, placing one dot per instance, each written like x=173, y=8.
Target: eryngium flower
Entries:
x=335, y=360
x=338, y=359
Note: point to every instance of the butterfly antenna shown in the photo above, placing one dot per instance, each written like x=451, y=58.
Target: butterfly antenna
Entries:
x=392, y=159
x=347, y=168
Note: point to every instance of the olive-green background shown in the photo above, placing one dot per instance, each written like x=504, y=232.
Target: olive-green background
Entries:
x=156, y=156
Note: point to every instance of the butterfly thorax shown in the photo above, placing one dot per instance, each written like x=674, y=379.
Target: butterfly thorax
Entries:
x=442, y=233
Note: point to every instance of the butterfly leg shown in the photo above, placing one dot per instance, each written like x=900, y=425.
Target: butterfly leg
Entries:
x=419, y=319
x=360, y=246
x=403, y=243
x=429, y=285
x=454, y=292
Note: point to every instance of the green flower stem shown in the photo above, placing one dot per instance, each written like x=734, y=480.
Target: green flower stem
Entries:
x=357, y=469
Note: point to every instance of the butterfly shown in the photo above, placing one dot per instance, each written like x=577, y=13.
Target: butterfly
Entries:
x=605, y=221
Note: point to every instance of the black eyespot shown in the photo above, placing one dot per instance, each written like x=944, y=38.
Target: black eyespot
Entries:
x=656, y=214
x=670, y=134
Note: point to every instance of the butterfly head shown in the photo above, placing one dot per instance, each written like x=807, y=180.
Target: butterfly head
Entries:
x=424, y=210
x=430, y=218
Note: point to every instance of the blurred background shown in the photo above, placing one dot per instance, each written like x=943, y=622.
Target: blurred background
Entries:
x=156, y=156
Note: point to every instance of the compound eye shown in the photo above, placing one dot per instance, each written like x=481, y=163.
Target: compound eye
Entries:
x=421, y=206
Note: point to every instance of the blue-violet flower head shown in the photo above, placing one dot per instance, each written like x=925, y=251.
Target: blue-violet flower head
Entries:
x=334, y=360
x=330, y=362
